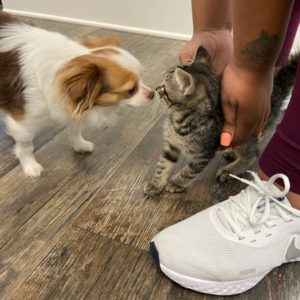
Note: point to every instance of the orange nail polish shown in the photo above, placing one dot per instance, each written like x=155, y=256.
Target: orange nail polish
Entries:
x=226, y=139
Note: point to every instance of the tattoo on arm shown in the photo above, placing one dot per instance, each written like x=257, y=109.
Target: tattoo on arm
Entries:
x=263, y=49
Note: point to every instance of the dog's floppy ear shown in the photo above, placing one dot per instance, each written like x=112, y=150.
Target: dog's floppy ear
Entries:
x=96, y=42
x=81, y=82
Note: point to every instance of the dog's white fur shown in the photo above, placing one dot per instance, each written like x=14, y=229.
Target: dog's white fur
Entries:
x=41, y=54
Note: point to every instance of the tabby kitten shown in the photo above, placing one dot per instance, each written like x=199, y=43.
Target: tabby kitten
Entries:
x=194, y=122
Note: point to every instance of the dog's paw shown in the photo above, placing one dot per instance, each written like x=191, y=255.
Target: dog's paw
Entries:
x=152, y=189
x=32, y=169
x=84, y=147
x=223, y=175
x=173, y=187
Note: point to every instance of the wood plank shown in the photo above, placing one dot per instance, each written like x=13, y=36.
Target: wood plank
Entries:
x=8, y=160
x=68, y=188
x=5, y=140
x=61, y=27
x=85, y=265
x=121, y=211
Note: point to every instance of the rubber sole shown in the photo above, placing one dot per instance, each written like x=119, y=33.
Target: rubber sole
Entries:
x=209, y=287
x=213, y=287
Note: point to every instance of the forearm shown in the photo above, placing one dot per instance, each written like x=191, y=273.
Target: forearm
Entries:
x=259, y=27
x=211, y=15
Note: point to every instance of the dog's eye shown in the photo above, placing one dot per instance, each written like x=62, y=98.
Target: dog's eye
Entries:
x=131, y=91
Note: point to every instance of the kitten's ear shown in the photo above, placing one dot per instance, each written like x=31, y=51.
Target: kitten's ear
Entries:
x=185, y=81
x=202, y=57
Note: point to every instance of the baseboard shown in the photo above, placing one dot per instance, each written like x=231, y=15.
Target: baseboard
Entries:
x=145, y=31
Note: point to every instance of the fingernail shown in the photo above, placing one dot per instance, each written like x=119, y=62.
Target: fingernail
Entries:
x=259, y=135
x=226, y=139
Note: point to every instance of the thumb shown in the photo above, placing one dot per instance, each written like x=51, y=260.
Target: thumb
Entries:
x=228, y=129
x=186, y=58
x=187, y=55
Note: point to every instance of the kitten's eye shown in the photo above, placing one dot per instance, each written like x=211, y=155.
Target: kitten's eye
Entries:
x=131, y=91
x=169, y=74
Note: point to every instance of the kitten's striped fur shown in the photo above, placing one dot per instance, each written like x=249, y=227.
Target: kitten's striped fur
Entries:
x=194, y=122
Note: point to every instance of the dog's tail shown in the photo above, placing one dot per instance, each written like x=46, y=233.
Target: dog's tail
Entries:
x=283, y=84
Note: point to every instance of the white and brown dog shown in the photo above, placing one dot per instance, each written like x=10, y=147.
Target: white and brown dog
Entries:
x=45, y=75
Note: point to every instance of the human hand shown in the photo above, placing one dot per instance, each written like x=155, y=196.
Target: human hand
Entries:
x=246, y=103
x=218, y=43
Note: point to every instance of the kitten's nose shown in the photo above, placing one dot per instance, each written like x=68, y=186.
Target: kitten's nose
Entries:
x=149, y=94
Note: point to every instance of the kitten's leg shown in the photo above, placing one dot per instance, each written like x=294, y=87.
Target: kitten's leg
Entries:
x=229, y=154
x=185, y=176
x=79, y=144
x=23, y=136
x=164, y=167
x=244, y=159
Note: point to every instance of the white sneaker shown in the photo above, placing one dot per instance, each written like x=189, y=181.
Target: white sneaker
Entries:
x=229, y=247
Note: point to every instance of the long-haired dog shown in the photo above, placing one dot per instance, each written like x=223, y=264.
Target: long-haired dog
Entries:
x=45, y=75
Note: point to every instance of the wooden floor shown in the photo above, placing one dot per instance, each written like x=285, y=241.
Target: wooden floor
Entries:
x=82, y=230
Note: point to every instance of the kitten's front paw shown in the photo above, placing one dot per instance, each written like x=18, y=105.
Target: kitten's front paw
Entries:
x=229, y=154
x=151, y=189
x=173, y=187
x=223, y=175
x=83, y=146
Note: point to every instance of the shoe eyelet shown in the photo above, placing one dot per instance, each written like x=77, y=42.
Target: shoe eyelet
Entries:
x=268, y=235
x=253, y=241
x=257, y=232
x=242, y=238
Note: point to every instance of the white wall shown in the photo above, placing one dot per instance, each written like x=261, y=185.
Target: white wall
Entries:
x=170, y=18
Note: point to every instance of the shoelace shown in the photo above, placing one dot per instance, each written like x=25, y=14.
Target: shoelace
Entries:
x=242, y=212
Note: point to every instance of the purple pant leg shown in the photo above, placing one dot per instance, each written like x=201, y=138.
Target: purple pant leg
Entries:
x=290, y=35
x=282, y=154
